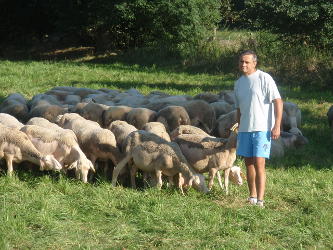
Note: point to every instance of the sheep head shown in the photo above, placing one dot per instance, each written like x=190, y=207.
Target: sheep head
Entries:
x=48, y=162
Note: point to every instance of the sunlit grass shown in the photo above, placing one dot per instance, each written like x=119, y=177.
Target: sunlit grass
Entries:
x=47, y=211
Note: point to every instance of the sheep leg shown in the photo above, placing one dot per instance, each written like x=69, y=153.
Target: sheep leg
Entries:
x=226, y=180
x=212, y=173
x=9, y=161
x=118, y=168
x=159, y=179
x=218, y=175
x=133, y=171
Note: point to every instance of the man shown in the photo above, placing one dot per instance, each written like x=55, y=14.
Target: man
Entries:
x=259, y=111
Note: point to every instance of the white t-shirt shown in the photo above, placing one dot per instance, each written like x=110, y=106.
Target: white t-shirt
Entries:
x=254, y=97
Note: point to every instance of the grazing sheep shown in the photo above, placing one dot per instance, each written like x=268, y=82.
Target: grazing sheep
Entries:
x=15, y=146
x=291, y=118
x=43, y=99
x=138, y=117
x=287, y=141
x=172, y=117
x=221, y=108
x=210, y=154
x=115, y=113
x=187, y=129
x=10, y=121
x=49, y=112
x=121, y=129
x=330, y=119
x=151, y=153
x=228, y=96
x=62, y=144
x=91, y=111
x=224, y=123
x=207, y=96
x=202, y=115
x=15, y=105
x=157, y=128
x=95, y=142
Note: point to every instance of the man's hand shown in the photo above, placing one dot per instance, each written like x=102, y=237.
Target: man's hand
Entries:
x=276, y=132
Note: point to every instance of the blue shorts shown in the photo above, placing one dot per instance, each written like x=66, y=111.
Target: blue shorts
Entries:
x=254, y=144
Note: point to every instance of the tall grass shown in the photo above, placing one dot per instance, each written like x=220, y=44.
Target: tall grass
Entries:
x=50, y=211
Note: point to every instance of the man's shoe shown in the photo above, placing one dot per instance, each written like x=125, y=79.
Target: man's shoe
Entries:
x=252, y=200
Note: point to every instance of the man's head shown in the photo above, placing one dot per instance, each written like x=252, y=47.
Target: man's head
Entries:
x=247, y=62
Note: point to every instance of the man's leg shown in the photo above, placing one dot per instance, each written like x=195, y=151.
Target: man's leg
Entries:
x=260, y=178
x=251, y=176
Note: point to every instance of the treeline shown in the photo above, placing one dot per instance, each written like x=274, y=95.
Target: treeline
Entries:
x=179, y=26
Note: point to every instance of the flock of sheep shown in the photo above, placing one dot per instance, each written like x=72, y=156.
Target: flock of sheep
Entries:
x=179, y=137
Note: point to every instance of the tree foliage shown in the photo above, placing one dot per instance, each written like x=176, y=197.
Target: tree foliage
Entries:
x=178, y=25
x=307, y=21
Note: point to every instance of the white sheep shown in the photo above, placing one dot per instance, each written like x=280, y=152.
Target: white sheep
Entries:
x=15, y=146
x=62, y=144
x=10, y=121
x=121, y=129
x=95, y=142
x=151, y=153
x=210, y=154
x=157, y=128
x=287, y=141
x=291, y=118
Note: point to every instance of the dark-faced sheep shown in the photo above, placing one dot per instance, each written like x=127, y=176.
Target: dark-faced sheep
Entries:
x=330, y=119
x=172, y=117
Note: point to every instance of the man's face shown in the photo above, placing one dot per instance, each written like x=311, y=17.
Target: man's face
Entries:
x=247, y=65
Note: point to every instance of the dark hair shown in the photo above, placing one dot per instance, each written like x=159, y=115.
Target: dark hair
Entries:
x=249, y=52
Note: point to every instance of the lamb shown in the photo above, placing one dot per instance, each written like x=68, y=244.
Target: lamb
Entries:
x=95, y=142
x=15, y=105
x=291, y=118
x=172, y=117
x=15, y=146
x=210, y=154
x=121, y=129
x=62, y=144
x=330, y=119
x=138, y=117
x=115, y=113
x=10, y=121
x=157, y=128
x=286, y=141
x=151, y=153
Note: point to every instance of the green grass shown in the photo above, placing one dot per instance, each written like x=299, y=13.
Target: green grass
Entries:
x=46, y=211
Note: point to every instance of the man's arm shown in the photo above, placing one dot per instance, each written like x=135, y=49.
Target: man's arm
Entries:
x=278, y=108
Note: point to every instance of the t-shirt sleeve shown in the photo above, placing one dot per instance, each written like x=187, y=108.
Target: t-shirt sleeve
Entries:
x=273, y=92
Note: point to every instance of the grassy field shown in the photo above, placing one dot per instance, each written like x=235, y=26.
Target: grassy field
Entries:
x=47, y=211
